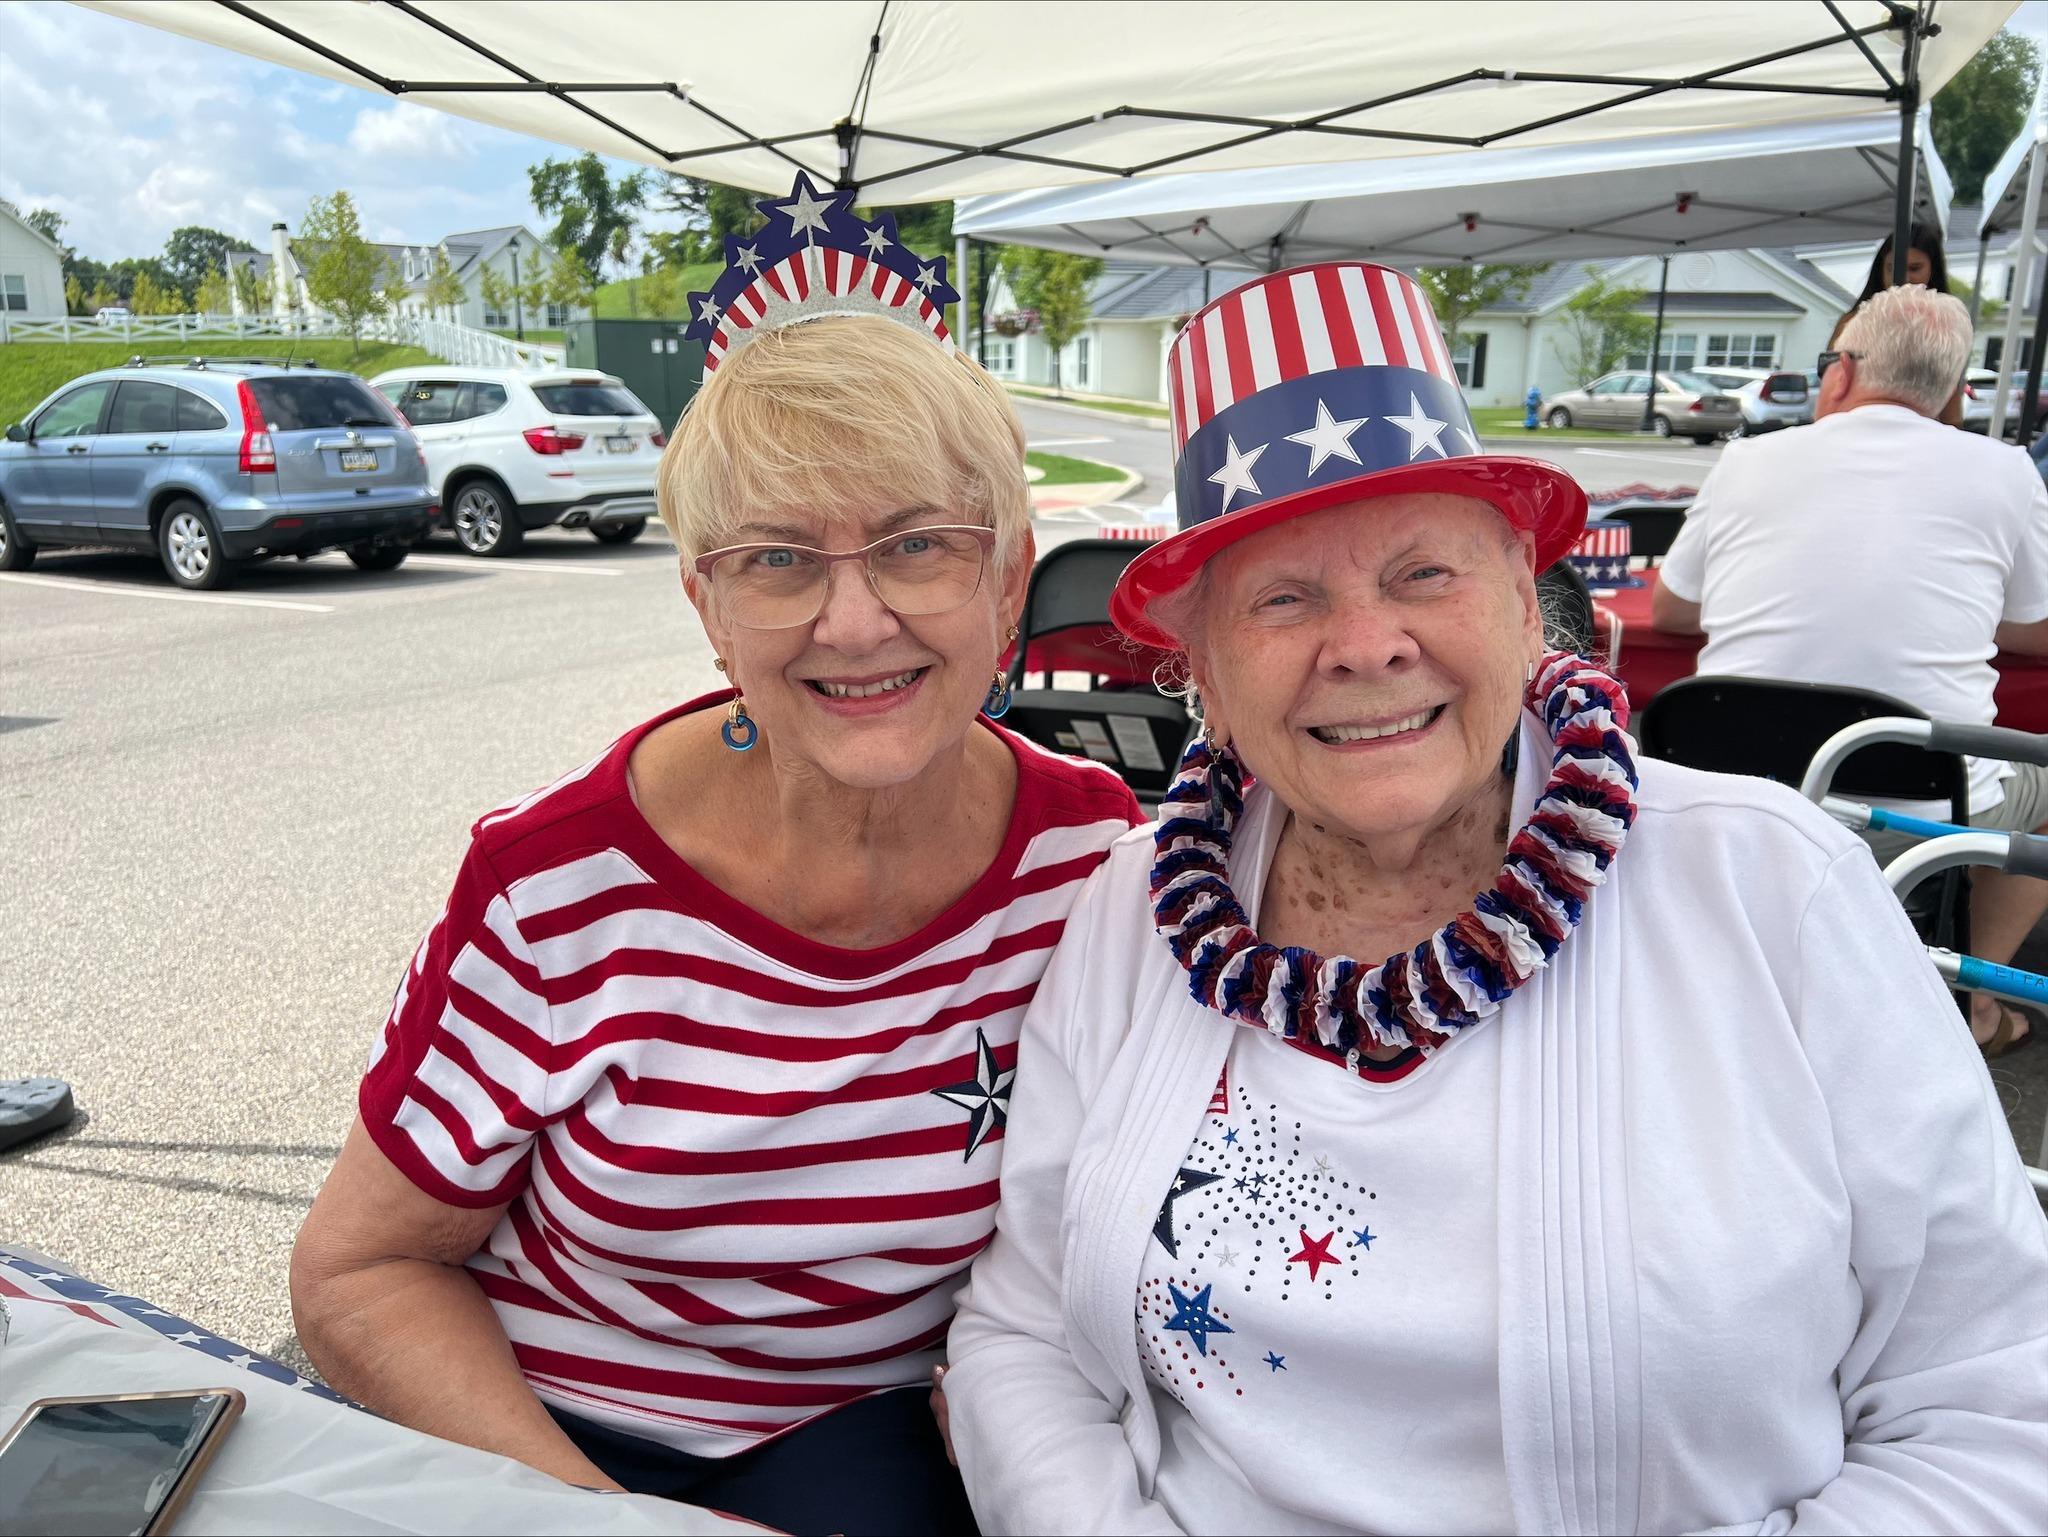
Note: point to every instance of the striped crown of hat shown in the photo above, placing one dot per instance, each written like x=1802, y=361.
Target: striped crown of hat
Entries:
x=815, y=258
x=1306, y=377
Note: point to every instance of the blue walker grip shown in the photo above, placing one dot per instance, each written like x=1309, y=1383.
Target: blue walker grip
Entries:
x=1918, y=827
x=1974, y=973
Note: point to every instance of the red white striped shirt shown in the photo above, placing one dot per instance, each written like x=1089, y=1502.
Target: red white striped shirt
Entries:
x=738, y=1161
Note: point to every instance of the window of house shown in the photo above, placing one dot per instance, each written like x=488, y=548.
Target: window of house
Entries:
x=1078, y=356
x=1002, y=355
x=13, y=291
x=1678, y=354
x=1468, y=361
x=557, y=314
x=1737, y=349
x=495, y=320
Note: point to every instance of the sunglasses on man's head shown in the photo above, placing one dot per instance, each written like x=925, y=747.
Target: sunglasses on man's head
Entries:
x=1830, y=359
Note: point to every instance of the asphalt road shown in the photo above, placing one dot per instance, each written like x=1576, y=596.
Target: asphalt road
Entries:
x=227, y=819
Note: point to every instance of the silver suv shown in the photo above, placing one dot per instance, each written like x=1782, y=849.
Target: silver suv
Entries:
x=212, y=463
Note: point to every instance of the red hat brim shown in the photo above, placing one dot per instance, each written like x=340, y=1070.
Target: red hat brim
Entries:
x=1534, y=497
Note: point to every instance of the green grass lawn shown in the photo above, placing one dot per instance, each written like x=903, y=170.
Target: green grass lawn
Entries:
x=1506, y=422
x=1060, y=470
x=533, y=334
x=31, y=370
x=621, y=300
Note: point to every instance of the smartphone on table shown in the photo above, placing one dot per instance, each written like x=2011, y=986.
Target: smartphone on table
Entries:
x=109, y=1463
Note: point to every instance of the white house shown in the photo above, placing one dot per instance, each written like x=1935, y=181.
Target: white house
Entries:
x=510, y=251
x=1730, y=308
x=31, y=270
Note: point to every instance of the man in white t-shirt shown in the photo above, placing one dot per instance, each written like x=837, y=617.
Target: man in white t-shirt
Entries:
x=1879, y=549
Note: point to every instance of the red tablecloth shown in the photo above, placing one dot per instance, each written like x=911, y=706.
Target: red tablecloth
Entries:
x=1651, y=658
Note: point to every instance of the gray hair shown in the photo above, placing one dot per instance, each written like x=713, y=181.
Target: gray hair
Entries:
x=1914, y=344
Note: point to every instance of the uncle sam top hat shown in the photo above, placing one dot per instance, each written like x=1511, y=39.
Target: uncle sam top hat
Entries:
x=1311, y=387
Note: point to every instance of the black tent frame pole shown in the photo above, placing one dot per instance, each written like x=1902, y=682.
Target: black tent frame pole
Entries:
x=1656, y=345
x=1909, y=171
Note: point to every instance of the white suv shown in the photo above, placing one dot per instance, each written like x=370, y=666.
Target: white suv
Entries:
x=510, y=450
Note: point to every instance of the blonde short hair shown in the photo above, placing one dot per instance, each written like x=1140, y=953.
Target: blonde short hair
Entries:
x=1914, y=344
x=833, y=414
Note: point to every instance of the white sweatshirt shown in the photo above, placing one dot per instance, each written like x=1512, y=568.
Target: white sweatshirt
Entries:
x=1767, y=1258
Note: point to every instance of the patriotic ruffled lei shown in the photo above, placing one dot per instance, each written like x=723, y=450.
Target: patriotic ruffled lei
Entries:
x=1462, y=973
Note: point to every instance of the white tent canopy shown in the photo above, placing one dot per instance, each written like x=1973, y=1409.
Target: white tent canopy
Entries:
x=2005, y=187
x=2012, y=201
x=920, y=99
x=1802, y=183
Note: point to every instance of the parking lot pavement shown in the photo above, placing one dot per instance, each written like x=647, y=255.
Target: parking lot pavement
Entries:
x=225, y=827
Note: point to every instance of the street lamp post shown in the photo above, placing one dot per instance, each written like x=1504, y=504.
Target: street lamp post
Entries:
x=518, y=298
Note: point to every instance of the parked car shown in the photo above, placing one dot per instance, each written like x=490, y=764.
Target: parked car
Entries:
x=1770, y=398
x=510, y=450
x=112, y=314
x=212, y=463
x=1980, y=392
x=1688, y=406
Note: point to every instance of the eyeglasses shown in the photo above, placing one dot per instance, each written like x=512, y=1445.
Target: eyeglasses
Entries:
x=1830, y=359
x=917, y=571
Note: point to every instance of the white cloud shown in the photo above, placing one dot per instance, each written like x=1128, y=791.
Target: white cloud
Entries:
x=407, y=131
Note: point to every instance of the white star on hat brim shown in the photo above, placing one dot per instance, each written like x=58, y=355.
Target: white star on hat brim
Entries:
x=875, y=240
x=1424, y=430
x=707, y=311
x=1328, y=438
x=1236, y=474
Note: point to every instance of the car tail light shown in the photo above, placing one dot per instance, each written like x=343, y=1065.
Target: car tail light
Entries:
x=546, y=440
x=258, y=454
x=1697, y=405
x=658, y=438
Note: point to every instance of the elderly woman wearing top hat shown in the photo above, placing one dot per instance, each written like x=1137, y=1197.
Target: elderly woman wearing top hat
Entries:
x=1440, y=1121
x=687, y=1118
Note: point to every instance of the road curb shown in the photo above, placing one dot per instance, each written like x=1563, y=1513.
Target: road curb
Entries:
x=1101, y=413
x=1098, y=491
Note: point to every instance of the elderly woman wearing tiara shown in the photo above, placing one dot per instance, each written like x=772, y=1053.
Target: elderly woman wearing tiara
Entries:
x=1442, y=1122
x=687, y=1118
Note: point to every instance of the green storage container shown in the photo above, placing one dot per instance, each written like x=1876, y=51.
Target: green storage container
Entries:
x=650, y=357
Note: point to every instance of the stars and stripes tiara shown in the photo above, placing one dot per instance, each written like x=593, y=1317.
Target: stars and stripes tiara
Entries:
x=814, y=258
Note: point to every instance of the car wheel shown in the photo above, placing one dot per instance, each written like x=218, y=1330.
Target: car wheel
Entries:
x=191, y=548
x=619, y=533
x=485, y=519
x=16, y=553
x=1560, y=417
x=372, y=555
x=1661, y=425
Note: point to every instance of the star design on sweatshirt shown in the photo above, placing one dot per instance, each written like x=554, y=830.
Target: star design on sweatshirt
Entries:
x=1191, y=1316
x=1315, y=1253
x=985, y=1097
x=1186, y=1181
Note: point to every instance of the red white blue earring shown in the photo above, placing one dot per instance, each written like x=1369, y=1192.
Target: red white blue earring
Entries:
x=996, y=703
x=739, y=730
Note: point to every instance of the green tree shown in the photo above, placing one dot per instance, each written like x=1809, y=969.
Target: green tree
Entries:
x=248, y=289
x=661, y=294
x=1601, y=327
x=345, y=274
x=566, y=282
x=103, y=296
x=147, y=298
x=708, y=211
x=594, y=214
x=74, y=294
x=1980, y=110
x=1458, y=293
x=1054, y=284
x=443, y=292
x=194, y=251
x=496, y=290
x=49, y=223
x=213, y=295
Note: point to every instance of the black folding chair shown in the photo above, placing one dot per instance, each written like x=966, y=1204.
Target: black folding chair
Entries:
x=1652, y=530
x=1771, y=729
x=1133, y=728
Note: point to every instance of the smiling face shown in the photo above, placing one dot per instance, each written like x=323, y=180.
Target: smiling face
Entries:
x=1367, y=661
x=868, y=697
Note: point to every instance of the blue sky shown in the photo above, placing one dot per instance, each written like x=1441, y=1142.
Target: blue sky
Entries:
x=130, y=132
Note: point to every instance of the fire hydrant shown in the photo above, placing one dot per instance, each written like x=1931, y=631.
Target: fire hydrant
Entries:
x=1532, y=409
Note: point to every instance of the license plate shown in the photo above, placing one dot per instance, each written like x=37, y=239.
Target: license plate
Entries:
x=618, y=445
x=353, y=459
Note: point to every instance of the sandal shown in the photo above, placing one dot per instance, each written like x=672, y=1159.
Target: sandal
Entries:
x=2014, y=1031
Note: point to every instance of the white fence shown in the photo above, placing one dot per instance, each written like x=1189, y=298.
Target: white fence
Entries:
x=448, y=341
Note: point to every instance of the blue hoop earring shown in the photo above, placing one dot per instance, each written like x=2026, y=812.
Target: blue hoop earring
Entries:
x=997, y=702
x=739, y=730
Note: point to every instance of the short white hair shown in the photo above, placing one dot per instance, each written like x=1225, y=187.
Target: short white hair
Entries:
x=1913, y=344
